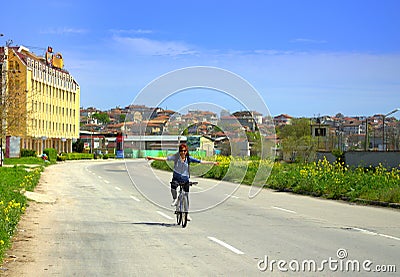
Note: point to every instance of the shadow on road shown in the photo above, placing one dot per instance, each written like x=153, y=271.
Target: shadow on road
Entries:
x=155, y=224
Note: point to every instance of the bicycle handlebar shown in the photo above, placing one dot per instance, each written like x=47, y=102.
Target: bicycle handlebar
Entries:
x=184, y=183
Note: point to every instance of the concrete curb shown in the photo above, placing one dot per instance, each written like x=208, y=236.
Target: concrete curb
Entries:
x=39, y=198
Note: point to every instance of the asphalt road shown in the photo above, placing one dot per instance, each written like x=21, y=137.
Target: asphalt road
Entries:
x=114, y=219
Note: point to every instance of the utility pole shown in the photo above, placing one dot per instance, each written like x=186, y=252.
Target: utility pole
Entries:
x=383, y=126
x=3, y=80
x=366, y=135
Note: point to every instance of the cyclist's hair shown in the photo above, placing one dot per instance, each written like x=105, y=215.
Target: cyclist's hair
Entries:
x=183, y=146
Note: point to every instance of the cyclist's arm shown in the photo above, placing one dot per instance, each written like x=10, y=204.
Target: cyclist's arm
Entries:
x=194, y=160
x=209, y=162
x=156, y=158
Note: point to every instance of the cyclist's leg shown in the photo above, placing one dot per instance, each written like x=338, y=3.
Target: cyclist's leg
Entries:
x=174, y=194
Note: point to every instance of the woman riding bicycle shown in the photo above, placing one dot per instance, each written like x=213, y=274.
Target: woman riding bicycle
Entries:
x=181, y=174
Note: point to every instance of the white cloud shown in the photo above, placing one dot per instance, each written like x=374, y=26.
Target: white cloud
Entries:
x=65, y=30
x=151, y=47
x=271, y=52
x=297, y=83
x=132, y=31
x=307, y=40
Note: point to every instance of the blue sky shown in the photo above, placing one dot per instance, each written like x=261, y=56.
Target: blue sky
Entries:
x=304, y=57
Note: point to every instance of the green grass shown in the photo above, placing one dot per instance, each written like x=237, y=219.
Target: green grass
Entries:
x=322, y=179
x=13, y=181
x=25, y=160
x=336, y=181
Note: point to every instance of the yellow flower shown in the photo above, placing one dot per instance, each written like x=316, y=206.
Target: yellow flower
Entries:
x=303, y=172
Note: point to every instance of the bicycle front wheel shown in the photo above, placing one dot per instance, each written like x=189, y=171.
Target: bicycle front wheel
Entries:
x=178, y=217
x=184, y=219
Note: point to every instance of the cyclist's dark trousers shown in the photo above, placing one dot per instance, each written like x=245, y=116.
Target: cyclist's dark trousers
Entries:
x=174, y=186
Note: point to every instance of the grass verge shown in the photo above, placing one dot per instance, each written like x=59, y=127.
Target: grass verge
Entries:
x=321, y=179
x=13, y=181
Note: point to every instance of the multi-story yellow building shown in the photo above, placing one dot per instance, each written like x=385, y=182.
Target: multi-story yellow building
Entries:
x=40, y=100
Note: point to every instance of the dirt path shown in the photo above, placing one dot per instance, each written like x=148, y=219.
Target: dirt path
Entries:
x=30, y=237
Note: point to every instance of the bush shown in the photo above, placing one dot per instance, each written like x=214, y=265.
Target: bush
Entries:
x=78, y=156
x=28, y=153
x=61, y=158
x=111, y=155
x=51, y=153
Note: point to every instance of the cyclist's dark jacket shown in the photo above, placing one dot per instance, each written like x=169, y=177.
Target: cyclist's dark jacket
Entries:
x=181, y=169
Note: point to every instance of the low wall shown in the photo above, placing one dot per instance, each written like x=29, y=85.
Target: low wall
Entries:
x=366, y=159
x=327, y=155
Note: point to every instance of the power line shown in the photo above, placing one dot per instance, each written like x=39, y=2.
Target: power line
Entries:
x=37, y=48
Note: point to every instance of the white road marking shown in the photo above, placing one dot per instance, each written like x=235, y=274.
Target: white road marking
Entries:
x=224, y=244
x=282, y=209
x=374, y=233
x=164, y=215
x=100, y=177
x=389, y=237
x=105, y=181
x=117, y=188
x=364, y=231
x=135, y=198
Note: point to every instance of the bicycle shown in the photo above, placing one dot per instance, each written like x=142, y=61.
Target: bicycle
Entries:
x=182, y=206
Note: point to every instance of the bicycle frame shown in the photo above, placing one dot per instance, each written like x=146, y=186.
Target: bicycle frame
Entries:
x=182, y=207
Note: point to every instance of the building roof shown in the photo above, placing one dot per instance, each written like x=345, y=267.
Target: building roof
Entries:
x=283, y=115
x=156, y=138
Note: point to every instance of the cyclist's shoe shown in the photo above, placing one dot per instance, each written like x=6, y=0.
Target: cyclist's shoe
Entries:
x=174, y=202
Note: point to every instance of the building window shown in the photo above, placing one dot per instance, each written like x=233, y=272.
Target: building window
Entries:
x=320, y=132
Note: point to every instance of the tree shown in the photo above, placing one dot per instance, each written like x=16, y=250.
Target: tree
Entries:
x=14, y=99
x=225, y=148
x=254, y=138
x=102, y=117
x=122, y=118
x=298, y=128
x=297, y=142
x=78, y=146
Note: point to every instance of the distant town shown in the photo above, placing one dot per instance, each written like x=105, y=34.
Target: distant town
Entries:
x=332, y=132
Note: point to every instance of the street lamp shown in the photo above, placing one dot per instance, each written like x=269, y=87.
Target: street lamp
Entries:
x=383, y=126
x=2, y=93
